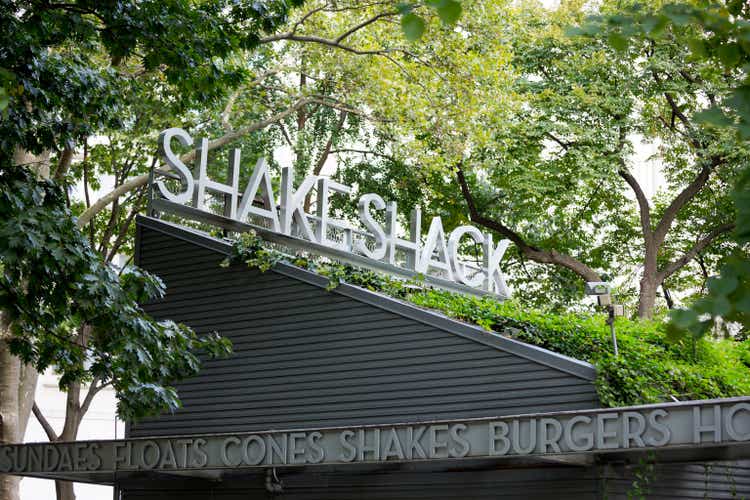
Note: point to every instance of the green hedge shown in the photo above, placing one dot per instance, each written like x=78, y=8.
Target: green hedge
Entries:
x=651, y=368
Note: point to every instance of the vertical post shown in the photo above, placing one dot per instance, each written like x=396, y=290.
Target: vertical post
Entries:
x=150, y=191
x=611, y=323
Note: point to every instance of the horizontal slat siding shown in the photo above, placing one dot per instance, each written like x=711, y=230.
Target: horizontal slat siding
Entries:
x=560, y=484
x=668, y=481
x=305, y=357
x=718, y=480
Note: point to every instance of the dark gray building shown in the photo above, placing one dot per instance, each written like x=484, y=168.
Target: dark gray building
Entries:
x=349, y=394
x=308, y=357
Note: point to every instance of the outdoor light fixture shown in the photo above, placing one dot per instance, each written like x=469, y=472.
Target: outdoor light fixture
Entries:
x=273, y=483
x=597, y=288
x=602, y=289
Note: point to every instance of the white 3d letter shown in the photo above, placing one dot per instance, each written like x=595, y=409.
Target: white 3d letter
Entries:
x=393, y=242
x=370, y=223
x=459, y=268
x=292, y=208
x=165, y=150
x=203, y=183
x=321, y=231
x=435, y=241
x=268, y=211
x=495, y=281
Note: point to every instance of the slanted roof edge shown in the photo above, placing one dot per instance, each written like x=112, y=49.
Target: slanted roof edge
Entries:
x=533, y=353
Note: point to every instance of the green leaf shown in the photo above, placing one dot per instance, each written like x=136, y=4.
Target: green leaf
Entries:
x=4, y=99
x=449, y=11
x=729, y=54
x=679, y=14
x=712, y=116
x=413, y=27
x=404, y=8
x=698, y=47
x=683, y=318
x=574, y=31
x=735, y=7
x=618, y=42
x=743, y=303
x=655, y=25
x=723, y=285
x=721, y=306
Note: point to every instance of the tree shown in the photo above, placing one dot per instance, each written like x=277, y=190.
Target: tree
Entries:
x=719, y=37
x=70, y=70
x=590, y=100
x=548, y=162
x=508, y=124
x=63, y=307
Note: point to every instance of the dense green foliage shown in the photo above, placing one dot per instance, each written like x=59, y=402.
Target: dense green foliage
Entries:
x=70, y=69
x=716, y=34
x=542, y=127
x=69, y=310
x=650, y=368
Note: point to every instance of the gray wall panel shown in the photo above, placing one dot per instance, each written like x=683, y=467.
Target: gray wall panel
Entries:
x=719, y=480
x=667, y=481
x=307, y=357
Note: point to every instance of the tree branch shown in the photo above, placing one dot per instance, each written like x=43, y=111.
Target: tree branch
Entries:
x=123, y=232
x=327, y=149
x=94, y=389
x=563, y=144
x=306, y=17
x=285, y=134
x=643, y=207
x=322, y=41
x=531, y=252
x=227, y=112
x=48, y=430
x=676, y=111
x=64, y=164
x=363, y=24
x=363, y=152
x=687, y=194
x=676, y=265
x=331, y=42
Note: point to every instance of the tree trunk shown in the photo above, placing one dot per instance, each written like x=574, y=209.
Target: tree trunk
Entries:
x=64, y=490
x=73, y=416
x=647, y=296
x=10, y=372
x=17, y=382
x=9, y=487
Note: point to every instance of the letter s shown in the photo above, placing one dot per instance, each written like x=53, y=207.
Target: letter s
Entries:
x=350, y=452
x=463, y=447
x=186, y=177
x=369, y=221
x=660, y=427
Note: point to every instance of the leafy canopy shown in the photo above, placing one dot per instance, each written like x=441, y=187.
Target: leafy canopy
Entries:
x=53, y=282
x=67, y=67
x=718, y=34
x=70, y=70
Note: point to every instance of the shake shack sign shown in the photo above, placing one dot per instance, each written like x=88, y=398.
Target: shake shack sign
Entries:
x=377, y=239
x=598, y=431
